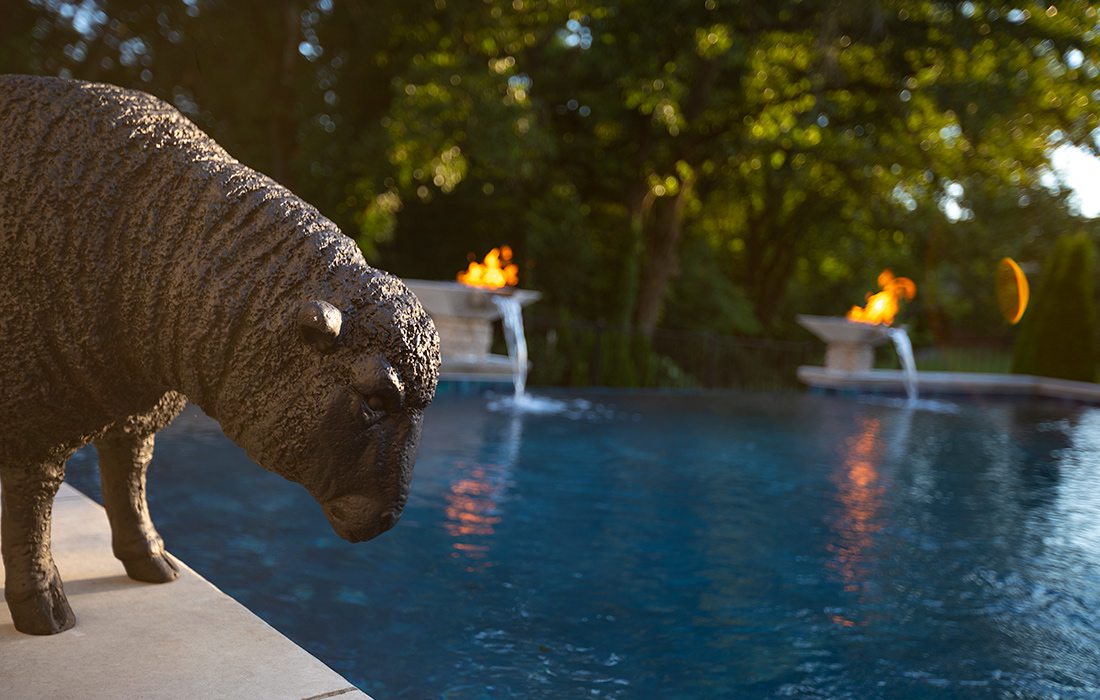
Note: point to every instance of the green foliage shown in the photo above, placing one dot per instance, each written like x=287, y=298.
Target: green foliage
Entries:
x=704, y=166
x=1058, y=337
x=584, y=354
x=705, y=297
x=995, y=360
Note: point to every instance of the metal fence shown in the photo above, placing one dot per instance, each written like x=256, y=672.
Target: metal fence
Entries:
x=579, y=353
x=598, y=354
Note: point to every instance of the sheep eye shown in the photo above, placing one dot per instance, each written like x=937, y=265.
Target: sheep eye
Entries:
x=375, y=403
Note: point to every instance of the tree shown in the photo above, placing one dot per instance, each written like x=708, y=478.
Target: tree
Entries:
x=734, y=161
x=820, y=124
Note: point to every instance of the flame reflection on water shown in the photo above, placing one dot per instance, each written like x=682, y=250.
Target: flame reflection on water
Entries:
x=859, y=495
x=474, y=498
x=471, y=506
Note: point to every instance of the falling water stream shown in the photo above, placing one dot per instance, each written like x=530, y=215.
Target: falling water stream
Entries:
x=512, y=318
x=904, y=348
x=511, y=314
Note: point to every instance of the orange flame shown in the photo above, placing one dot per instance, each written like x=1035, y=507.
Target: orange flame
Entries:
x=491, y=274
x=882, y=307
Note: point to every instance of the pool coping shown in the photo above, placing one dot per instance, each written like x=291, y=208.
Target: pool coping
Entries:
x=951, y=383
x=131, y=639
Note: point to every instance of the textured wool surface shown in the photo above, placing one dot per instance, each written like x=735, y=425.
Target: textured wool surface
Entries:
x=144, y=266
x=140, y=258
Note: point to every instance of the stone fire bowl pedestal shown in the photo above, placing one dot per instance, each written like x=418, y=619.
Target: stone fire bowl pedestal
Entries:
x=850, y=355
x=849, y=345
x=464, y=318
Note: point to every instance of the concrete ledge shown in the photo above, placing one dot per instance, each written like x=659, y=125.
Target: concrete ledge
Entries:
x=967, y=383
x=184, y=639
x=485, y=368
x=479, y=377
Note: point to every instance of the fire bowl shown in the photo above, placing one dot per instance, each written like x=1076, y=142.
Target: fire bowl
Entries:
x=837, y=329
x=459, y=300
x=463, y=317
x=849, y=345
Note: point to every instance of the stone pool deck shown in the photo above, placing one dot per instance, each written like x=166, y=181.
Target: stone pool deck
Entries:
x=185, y=639
x=951, y=384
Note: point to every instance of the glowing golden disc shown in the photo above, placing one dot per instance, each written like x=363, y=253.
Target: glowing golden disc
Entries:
x=1012, y=290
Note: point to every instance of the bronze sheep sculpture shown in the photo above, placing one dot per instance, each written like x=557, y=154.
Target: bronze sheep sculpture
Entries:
x=142, y=266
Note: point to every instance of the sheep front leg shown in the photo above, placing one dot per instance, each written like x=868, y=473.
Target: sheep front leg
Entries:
x=124, y=457
x=32, y=587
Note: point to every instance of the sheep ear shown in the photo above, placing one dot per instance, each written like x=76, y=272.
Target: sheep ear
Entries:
x=319, y=324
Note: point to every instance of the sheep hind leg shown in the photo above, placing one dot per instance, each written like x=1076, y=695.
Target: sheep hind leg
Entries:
x=124, y=456
x=32, y=587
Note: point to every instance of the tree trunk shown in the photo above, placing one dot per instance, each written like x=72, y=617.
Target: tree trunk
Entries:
x=661, y=261
x=662, y=245
x=638, y=203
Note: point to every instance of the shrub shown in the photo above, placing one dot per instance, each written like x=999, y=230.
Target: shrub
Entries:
x=1058, y=334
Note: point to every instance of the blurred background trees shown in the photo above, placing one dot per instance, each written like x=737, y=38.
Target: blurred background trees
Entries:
x=695, y=165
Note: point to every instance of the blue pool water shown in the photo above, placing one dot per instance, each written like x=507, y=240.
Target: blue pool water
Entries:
x=718, y=546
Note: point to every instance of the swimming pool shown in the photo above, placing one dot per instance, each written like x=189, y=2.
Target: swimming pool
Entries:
x=707, y=546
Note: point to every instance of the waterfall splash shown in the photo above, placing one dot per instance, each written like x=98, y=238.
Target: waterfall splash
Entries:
x=511, y=314
x=904, y=348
